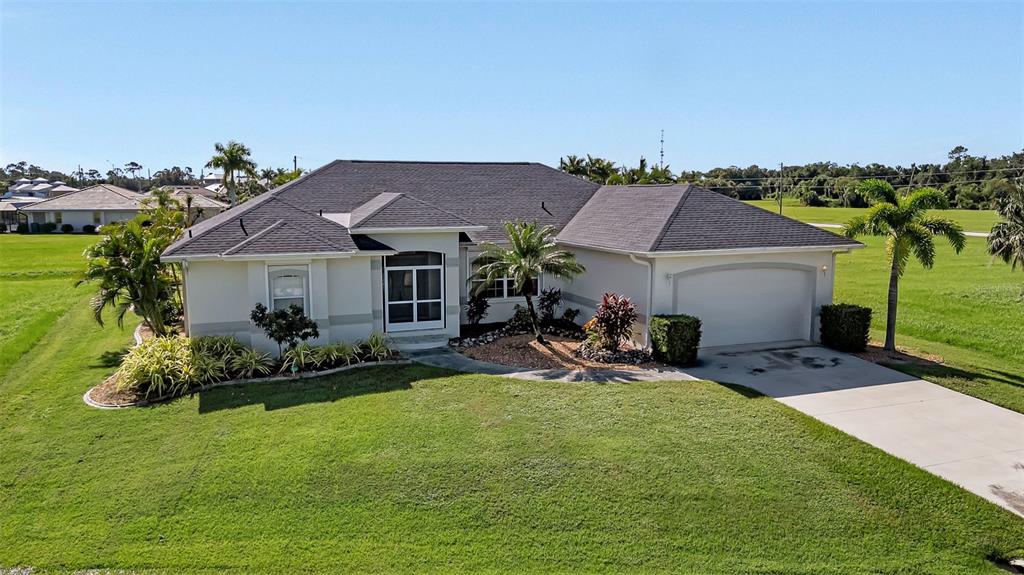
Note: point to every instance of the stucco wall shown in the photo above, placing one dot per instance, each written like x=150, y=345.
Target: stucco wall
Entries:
x=217, y=300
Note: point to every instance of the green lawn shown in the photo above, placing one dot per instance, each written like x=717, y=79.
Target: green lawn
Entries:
x=971, y=220
x=967, y=309
x=414, y=469
x=36, y=287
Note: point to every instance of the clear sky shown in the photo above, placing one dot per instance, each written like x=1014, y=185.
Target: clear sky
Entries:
x=730, y=83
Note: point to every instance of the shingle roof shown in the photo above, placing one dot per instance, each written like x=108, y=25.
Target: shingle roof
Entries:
x=486, y=194
x=391, y=210
x=679, y=218
x=98, y=197
x=265, y=225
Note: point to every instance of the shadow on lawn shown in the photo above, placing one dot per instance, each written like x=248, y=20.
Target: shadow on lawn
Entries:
x=282, y=395
x=111, y=358
x=926, y=369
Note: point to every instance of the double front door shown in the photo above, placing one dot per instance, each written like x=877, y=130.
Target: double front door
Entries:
x=414, y=291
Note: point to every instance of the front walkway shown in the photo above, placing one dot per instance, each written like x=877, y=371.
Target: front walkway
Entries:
x=970, y=442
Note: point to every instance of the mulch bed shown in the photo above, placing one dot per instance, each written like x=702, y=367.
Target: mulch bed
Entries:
x=875, y=354
x=108, y=394
x=524, y=351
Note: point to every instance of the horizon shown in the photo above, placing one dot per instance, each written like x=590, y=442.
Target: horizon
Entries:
x=731, y=85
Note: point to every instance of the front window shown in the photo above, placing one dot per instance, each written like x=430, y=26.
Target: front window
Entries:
x=289, y=285
x=96, y=218
x=502, y=287
x=58, y=217
x=414, y=286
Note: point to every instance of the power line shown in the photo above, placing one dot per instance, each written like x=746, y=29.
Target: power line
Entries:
x=821, y=186
x=869, y=177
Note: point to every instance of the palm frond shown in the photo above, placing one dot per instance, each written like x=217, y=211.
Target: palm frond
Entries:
x=879, y=191
x=925, y=199
x=919, y=240
x=952, y=231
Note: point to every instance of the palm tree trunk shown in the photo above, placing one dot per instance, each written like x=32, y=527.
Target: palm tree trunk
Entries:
x=890, y=316
x=533, y=319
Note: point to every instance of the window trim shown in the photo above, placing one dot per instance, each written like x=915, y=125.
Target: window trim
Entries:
x=506, y=281
x=414, y=324
x=306, y=296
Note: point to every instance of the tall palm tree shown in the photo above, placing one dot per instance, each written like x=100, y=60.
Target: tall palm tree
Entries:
x=909, y=232
x=531, y=252
x=1006, y=241
x=232, y=158
x=572, y=165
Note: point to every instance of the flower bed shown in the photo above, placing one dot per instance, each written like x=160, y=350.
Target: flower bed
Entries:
x=159, y=368
x=524, y=351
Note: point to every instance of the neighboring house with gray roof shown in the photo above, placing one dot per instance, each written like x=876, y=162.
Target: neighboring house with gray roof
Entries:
x=389, y=246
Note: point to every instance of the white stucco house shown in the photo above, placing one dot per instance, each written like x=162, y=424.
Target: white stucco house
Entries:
x=389, y=246
x=105, y=203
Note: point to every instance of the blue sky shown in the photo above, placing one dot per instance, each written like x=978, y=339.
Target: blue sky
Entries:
x=730, y=83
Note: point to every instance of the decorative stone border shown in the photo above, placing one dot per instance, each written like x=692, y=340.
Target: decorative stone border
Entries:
x=87, y=398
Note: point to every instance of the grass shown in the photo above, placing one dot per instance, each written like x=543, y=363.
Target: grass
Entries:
x=971, y=220
x=416, y=469
x=36, y=287
x=967, y=309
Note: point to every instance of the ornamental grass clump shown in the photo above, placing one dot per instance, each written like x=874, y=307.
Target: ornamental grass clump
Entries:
x=158, y=366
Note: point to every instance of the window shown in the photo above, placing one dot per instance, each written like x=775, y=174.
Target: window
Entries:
x=414, y=290
x=58, y=218
x=502, y=287
x=97, y=218
x=289, y=285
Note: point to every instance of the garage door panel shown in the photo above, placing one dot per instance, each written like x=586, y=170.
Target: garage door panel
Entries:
x=748, y=305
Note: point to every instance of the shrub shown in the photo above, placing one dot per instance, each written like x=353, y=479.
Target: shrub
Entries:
x=67, y=228
x=3, y=227
x=249, y=363
x=476, y=308
x=48, y=228
x=675, y=338
x=520, y=320
x=549, y=299
x=301, y=357
x=570, y=314
x=335, y=355
x=614, y=320
x=22, y=228
x=810, y=198
x=845, y=326
x=88, y=229
x=158, y=366
x=284, y=326
x=377, y=346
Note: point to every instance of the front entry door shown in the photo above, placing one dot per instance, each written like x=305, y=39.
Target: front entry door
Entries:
x=414, y=290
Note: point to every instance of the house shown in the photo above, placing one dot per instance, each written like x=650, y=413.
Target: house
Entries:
x=37, y=188
x=106, y=203
x=390, y=246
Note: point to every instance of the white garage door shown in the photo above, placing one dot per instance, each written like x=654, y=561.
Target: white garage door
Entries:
x=748, y=305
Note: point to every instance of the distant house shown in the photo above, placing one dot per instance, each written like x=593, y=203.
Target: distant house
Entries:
x=10, y=215
x=95, y=206
x=105, y=203
x=38, y=188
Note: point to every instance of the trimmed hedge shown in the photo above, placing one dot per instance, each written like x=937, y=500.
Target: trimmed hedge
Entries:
x=675, y=338
x=845, y=326
x=22, y=228
x=67, y=228
x=48, y=227
x=89, y=229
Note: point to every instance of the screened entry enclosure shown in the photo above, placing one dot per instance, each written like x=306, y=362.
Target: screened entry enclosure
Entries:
x=414, y=291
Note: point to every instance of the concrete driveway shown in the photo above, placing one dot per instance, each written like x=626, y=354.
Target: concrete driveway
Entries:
x=970, y=442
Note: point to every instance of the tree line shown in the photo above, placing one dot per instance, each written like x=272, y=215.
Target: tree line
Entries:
x=967, y=181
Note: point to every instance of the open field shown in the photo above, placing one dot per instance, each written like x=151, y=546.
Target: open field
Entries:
x=971, y=220
x=413, y=469
x=36, y=287
x=967, y=310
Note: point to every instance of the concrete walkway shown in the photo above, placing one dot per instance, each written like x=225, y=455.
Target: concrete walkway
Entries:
x=970, y=442
x=450, y=359
x=968, y=234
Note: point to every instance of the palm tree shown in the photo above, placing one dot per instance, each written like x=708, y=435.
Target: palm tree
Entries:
x=233, y=158
x=1006, y=241
x=909, y=232
x=126, y=265
x=532, y=252
x=572, y=165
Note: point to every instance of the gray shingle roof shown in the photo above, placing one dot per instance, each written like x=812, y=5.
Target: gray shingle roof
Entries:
x=98, y=197
x=486, y=194
x=683, y=217
x=391, y=210
x=265, y=225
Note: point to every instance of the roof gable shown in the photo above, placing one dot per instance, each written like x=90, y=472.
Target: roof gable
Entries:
x=98, y=197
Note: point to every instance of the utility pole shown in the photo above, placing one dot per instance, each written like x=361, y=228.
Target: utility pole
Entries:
x=779, y=192
x=661, y=162
x=295, y=163
x=910, y=186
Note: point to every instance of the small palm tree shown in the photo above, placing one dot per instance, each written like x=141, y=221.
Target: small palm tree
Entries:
x=531, y=252
x=1006, y=241
x=909, y=232
x=232, y=158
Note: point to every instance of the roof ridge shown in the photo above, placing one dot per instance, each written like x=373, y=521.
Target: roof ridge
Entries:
x=675, y=213
x=394, y=197
x=439, y=162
